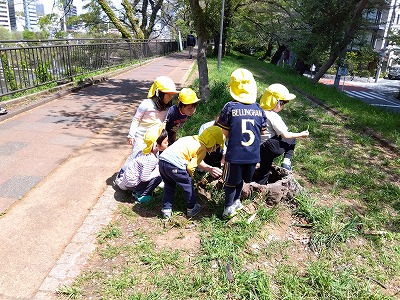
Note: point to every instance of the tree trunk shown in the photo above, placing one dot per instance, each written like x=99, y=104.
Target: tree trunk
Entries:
x=300, y=66
x=268, y=51
x=278, y=54
x=117, y=23
x=203, y=69
x=349, y=36
x=199, y=22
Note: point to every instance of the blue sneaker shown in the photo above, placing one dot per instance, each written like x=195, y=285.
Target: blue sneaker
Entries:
x=144, y=199
x=194, y=211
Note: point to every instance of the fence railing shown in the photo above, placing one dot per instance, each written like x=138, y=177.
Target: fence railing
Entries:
x=28, y=64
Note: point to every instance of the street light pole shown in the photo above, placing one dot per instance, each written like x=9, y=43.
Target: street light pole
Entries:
x=220, y=34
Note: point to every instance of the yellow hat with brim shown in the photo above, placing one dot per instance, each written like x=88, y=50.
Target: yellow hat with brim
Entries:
x=151, y=136
x=243, y=87
x=211, y=136
x=163, y=84
x=273, y=93
x=188, y=96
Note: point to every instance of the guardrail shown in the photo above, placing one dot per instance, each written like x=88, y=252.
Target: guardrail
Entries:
x=28, y=64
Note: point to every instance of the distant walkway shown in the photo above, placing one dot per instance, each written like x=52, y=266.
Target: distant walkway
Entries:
x=57, y=160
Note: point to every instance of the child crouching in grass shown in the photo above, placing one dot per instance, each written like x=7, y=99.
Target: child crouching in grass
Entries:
x=142, y=175
x=177, y=165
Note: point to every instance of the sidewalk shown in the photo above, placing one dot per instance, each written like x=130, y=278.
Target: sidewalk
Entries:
x=57, y=165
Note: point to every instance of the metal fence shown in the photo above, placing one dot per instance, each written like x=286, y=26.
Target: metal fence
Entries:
x=28, y=64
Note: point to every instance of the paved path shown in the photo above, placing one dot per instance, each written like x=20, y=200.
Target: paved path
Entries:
x=380, y=94
x=57, y=162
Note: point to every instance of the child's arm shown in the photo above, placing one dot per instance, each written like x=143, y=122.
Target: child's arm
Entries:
x=214, y=171
x=293, y=135
x=136, y=122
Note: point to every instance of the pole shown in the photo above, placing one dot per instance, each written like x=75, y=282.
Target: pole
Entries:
x=180, y=41
x=220, y=34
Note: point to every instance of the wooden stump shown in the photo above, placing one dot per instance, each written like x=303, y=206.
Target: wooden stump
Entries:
x=282, y=187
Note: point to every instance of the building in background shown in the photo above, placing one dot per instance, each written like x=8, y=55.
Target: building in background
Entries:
x=39, y=9
x=4, y=15
x=31, y=19
x=69, y=11
x=22, y=14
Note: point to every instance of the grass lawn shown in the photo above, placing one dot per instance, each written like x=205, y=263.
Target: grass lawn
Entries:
x=338, y=239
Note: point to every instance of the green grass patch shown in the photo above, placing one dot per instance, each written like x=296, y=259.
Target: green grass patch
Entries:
x=338, y=239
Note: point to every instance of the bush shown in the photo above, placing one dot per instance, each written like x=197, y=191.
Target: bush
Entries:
x=364, y=73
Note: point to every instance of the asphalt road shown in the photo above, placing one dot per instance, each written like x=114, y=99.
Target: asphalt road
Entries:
x=380, y=94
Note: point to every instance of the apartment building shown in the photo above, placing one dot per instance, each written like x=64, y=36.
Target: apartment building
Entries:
x=4, y=15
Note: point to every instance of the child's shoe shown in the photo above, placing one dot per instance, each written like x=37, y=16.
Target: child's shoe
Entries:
x=229, y=212
x=143, y=199
x=194, y=211
x=166, y=213
x=287, y=164
x=238, y=204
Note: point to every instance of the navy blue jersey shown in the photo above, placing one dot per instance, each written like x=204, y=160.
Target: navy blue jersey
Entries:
x=173, y=121
x=244, y=123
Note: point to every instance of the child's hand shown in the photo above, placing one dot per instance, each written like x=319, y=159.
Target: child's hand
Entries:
x=131, y=141
x=304, y=133
x=215, y=172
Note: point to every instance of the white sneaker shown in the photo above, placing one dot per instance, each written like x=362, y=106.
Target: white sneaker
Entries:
x=238, y=204
x=166, y=213
x=229, y=212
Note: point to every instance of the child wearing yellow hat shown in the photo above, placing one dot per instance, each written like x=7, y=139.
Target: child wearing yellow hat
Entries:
x=142, y=175
x=179, y=113
x=177, y=165
x=277, y=139
x=151, y=111
x=242, y=121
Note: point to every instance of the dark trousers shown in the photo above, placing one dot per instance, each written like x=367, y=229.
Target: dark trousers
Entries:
x=145, y=188
x=172, y=176
x=234, y=176
x=269, y=150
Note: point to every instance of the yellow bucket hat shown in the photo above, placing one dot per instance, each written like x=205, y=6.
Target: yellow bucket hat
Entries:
x=243, y=87
x=188, y=96
x=273, y=93
x=151, y=136
x=163, y=84
x=211, y=136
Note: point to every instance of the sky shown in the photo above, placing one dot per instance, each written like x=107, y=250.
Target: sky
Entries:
x=78, y=3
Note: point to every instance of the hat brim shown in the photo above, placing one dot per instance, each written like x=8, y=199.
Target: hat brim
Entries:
x=289, y=97
x=172, y=93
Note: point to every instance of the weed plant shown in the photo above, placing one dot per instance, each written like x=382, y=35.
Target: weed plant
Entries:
x=339, y=239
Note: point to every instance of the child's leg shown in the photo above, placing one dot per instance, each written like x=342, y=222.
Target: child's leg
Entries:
x=269, y=150
x=185, y=181
x=169, y=184
x=288, y=145
x=233, y=183
x=147, y=187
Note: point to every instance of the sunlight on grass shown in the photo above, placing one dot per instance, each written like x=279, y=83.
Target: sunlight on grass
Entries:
x=342, y=233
